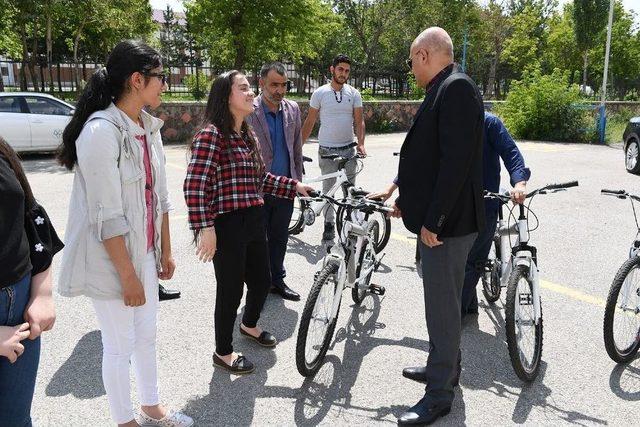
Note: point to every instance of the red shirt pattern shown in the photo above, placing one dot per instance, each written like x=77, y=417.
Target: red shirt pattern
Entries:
x=222, y=177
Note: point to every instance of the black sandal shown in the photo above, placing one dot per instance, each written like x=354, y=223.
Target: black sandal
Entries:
x=240, y=366
x=265, y=339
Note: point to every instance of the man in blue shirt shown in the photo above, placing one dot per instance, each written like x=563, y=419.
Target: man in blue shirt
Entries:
x=498, y=144
x=277, y=124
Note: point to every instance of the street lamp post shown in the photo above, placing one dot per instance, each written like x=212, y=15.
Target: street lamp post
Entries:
x=603, y=113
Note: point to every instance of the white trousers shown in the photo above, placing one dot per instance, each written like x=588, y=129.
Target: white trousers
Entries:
x=129, y=334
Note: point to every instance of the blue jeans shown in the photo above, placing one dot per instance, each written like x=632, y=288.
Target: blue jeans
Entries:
x=17, y=380
x=477, y=256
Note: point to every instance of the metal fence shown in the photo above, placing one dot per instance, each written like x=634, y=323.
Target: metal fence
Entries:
x=303, y=79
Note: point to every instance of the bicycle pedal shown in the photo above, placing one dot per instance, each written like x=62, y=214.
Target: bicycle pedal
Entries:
x=376, y=289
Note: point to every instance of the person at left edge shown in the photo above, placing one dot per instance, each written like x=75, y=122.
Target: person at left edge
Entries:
x=276, y=122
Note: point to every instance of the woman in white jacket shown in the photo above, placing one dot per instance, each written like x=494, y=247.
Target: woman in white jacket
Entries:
x=117, y=234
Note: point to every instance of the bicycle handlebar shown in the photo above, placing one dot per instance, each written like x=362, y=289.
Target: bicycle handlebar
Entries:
x=363, y=203
x=543, y=190
x=620, y=194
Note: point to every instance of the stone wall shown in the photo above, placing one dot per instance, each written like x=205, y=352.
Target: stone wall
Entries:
x=183, y=119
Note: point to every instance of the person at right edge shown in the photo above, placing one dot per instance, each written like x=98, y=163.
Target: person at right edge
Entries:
x=441, y=200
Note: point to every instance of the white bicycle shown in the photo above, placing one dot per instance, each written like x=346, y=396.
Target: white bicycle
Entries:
x=349, y=264
x=622, y=313
x=517, y=269
x=305, y=212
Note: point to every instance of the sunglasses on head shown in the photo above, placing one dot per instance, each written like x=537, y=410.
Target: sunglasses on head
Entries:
x=161, y=76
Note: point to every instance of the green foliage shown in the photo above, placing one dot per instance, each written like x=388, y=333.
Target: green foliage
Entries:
x=543, y=107
x=242, y=32
x=198, y=85
x=367, y=94
x=415, y=91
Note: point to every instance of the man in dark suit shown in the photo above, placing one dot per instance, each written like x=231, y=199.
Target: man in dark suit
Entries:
x=276, y=122
x=440, y=184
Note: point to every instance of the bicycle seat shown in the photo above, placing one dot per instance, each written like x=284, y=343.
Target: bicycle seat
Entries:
x=307, y=159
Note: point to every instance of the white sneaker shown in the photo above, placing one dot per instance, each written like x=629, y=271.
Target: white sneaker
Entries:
x=172, y=419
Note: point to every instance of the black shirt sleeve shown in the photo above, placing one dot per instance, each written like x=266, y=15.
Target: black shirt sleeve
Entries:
x=44, y=242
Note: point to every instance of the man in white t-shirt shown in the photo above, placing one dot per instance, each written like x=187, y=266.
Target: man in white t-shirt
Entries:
x=340, y=107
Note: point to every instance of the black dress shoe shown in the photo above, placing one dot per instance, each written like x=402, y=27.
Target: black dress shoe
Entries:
x=167, y=294
x=419, y=374
x=285, y=292
x=265, y=339
x=240, y=366
x=423, y=413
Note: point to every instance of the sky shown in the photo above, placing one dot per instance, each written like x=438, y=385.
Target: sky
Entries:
x=176, y=5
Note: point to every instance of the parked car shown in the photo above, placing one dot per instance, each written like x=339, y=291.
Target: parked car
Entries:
x=631, y=146
x=33, y=121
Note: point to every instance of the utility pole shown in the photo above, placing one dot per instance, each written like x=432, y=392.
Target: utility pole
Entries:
x=602, y=125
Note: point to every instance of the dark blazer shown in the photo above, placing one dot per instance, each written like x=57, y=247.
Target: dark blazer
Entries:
x=292, y=135
x=440, y=170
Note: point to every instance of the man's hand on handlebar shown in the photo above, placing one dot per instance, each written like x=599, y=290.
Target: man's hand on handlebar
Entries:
x=519, y=192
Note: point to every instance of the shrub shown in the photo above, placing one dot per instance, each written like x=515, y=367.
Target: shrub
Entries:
x=198, y=85
x=547, y=107
x=367, y=94
x=415, y=91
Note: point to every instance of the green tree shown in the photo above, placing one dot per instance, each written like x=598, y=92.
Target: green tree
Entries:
x=523, y=47
x=589, y=19
x=562, y=51
x=238, y=32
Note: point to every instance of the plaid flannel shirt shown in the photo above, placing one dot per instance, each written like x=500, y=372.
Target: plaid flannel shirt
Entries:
x=222, y=177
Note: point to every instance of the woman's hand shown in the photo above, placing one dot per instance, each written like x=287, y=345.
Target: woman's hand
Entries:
x=303, y=189
x=40, y=315
x=167, y=265
x=10, y=337
x=133, y=291
x=40, y=311
x=207, y=244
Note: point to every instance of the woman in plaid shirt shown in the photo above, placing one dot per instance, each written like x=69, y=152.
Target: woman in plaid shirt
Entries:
x=223, y=190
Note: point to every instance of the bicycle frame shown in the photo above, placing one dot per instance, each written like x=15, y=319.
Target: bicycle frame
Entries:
x=341, y=179
x=354, y=238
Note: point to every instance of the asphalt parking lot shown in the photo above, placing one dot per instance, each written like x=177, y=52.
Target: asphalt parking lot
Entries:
x=582, y=239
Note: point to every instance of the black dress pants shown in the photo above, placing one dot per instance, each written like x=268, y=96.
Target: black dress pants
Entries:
x=241, y=257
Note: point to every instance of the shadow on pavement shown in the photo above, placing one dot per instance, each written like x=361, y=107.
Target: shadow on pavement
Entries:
x=331, y=386
x=625, y=381
x=486, y=366
x=312, y=253
x=231, y=399
x=81, y=374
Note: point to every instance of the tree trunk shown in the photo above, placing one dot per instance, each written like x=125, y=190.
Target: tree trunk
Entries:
x=584, y=71
x=33, y=58
x=25, y=55
x=241, y=53
x=76, y=46
x=49, y=51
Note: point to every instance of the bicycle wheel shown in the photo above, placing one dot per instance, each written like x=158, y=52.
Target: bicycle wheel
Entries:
x=384, y=226
x=491, y=274
x=296, y=224
x=524, y=337
x=316, y=331
x=622, y=313
x=366, y=260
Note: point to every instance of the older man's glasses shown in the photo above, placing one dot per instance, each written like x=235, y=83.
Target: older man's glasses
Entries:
x=409, y=63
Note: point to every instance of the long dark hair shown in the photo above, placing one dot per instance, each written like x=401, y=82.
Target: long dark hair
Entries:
x=219, y=114
x=106, y=85
x=14, y=161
